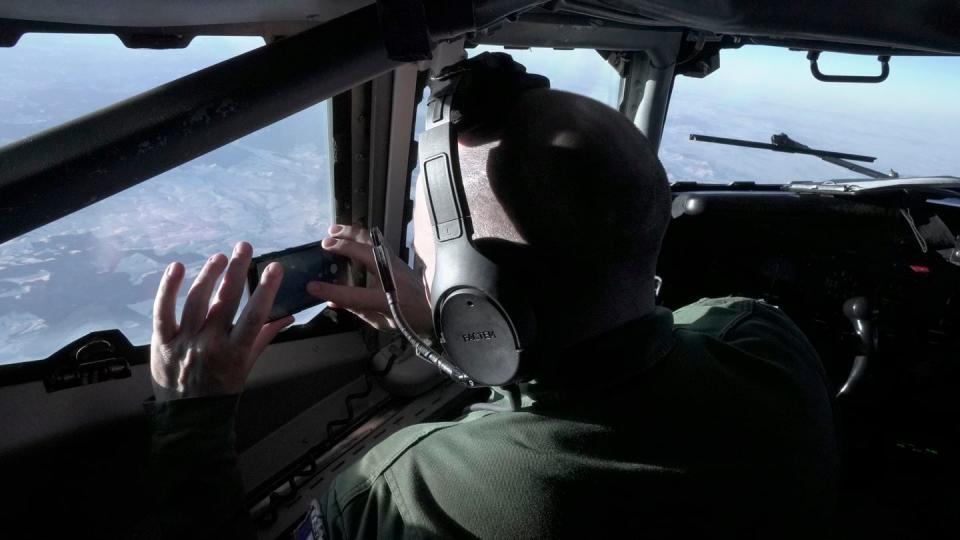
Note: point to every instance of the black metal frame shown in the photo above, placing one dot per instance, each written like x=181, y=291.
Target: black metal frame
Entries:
x=360, y=119
x=50, y=175
x=137, y=37
x=324, y=324
x=47, y=176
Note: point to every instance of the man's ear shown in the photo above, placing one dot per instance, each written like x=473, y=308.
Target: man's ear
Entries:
x=423, y=235
x=420, y=269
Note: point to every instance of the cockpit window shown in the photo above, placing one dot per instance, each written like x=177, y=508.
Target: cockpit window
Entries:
x=907, y=122
x=99, y=268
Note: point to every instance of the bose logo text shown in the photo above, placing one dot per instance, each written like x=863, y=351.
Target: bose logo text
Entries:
x=479, y=336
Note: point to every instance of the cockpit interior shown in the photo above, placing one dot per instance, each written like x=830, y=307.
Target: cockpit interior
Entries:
x=864, y=255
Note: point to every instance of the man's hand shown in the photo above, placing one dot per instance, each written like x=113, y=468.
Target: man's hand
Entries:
x=205, y=354
x=369, y=303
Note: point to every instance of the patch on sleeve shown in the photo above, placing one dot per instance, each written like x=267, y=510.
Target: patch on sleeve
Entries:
x=311, y=528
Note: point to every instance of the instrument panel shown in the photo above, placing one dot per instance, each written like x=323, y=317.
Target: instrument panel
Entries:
x=811, y=255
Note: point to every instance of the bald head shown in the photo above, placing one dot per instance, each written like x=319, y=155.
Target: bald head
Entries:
x=572, y=197
x=569, y=179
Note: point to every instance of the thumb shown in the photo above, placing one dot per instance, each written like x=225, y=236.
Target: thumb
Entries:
x=374, y=318
x=266, y=335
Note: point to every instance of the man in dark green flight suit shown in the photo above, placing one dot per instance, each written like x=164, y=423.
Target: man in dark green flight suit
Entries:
x=713, y=420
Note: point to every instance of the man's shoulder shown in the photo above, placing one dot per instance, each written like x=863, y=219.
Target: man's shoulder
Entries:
x=733, y=318
x=718, y=316
x=431, y=479
x=746, y=325
x=363, y=474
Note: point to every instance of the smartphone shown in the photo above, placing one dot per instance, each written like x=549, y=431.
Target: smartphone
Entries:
x=301, y=265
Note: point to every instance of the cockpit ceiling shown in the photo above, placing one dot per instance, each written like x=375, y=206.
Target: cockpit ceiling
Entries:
x=166, y=13
x=918, y=25
x=929, y=25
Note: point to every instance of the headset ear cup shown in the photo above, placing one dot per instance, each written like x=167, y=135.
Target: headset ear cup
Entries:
x=479, y=338
x=474, y=300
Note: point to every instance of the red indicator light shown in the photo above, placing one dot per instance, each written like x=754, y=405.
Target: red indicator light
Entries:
x=920, y=269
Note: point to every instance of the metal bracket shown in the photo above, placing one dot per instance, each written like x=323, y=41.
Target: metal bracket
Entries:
x=884, y=60
x=406, y=35
x=699, y=55
x=634, y=69
x=98, y=357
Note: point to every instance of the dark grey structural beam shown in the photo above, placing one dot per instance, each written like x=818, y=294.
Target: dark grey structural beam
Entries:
x=64, y=169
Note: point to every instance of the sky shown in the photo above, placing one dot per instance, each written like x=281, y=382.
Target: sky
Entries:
x=98, y=268
x=909, y=122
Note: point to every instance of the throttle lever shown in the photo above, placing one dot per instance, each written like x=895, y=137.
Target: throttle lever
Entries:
x=861, y=315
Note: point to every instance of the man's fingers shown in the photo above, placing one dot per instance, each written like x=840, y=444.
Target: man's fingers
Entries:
x=198, y=299
x=355, y=243
x=349, y=297
x=258, y=308
x=231, y=288
x=375, y=319
x=349, y=232
x=165, y=304
x=356, y=251
x=266, y=335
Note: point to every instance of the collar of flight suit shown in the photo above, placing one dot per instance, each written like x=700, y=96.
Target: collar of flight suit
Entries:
x=594, y=364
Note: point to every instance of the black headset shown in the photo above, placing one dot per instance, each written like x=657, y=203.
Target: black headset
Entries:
x=482, y=316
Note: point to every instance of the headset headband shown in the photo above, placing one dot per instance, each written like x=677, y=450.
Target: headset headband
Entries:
x=482, y=316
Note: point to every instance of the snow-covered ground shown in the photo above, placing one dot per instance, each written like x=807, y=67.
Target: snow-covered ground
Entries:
x=99, y=268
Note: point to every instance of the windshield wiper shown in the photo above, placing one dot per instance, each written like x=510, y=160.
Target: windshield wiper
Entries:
x=933, y=186
x=783, y=143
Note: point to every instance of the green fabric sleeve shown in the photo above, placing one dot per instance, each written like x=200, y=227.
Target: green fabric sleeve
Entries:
x=198, y=492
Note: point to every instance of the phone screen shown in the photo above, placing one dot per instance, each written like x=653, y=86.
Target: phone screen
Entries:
x=301, y=264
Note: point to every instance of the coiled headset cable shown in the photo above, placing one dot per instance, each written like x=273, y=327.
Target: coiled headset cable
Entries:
x=420, y=347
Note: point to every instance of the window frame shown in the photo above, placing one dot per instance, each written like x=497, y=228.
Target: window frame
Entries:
x=390, y=94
